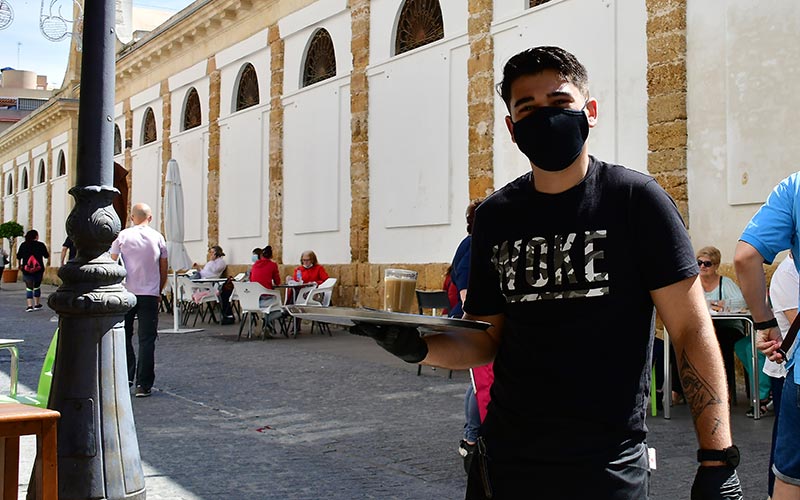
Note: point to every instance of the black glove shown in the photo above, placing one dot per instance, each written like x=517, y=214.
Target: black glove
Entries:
x=716, y=483
x=402, y=341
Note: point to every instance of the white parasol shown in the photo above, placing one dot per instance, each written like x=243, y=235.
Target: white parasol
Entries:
x=177, y=256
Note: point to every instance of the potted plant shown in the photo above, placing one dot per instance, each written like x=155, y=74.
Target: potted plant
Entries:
x=10, y=230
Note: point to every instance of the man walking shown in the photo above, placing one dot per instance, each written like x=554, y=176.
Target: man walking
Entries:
x=144, y=254
x=772, y=229
x=568, y=262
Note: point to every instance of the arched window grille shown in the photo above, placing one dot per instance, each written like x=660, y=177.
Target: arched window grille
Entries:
x=320, y=59
x=62, y=164
x=41, y=175
x=150, y=130
x=117, y=141
x=534, y=3
x=192, y=115
x=247, y=92
x=10, y=185
x=420, y=23
x=24, y=183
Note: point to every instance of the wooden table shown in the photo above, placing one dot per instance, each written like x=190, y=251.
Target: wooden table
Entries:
x=19, y=420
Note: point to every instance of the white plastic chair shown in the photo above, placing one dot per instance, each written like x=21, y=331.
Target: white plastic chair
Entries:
x=321, y=296
x=199, y=306
x=250, y=299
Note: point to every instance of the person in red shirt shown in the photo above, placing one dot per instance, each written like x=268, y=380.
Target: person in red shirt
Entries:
x=310, y=269
x=265, y=270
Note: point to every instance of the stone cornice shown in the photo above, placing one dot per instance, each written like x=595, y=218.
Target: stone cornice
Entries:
x=37, y=122
x=196, y=24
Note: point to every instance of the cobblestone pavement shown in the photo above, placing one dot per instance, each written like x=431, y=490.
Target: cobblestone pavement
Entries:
x=321, y=417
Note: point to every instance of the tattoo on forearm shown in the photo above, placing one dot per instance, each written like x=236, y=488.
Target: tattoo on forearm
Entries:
x=699, y=392
x=717, y=423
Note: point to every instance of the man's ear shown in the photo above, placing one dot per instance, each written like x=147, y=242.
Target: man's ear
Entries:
x=591, y=111
x=510, y=127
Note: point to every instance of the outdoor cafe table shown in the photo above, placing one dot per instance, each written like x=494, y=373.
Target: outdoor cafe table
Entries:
x=749, y=330
x=295, y=287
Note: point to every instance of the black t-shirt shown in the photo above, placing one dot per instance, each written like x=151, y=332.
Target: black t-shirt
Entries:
x=572, y=273
x=35, y=248
x=70, y=246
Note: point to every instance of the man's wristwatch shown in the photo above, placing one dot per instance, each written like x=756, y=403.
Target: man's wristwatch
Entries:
x=729, y=455
x=765, y=325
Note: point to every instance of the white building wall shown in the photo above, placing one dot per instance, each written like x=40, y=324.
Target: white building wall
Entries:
x=742, y=79
x=316, y=140
x=59, y=206
x=146, y=182
x=418, y=144
x=244, y=183
x=39, y=219
x=614, y=51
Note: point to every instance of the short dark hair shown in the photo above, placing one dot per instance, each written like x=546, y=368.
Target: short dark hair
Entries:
x=537, y=59
x=474, y=204
x=31, y=235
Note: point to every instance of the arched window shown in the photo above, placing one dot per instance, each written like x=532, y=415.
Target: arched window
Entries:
x=10, y=185
x=62, y=164
x=40, y=174
x=117, y=141
x=24, y=183
x=320, y=59
x=247, y=91
x=420, y=23
x=534, y=3
x=150, y=132
x=192, y=115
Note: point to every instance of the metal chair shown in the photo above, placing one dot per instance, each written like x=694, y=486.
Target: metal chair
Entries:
x=436, y=301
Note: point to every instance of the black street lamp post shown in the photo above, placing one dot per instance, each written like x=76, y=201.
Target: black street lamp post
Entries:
x=98, y=453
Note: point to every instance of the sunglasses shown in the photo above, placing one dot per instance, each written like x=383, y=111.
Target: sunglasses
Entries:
x=704, y=263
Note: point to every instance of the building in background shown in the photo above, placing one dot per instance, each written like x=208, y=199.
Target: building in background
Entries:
x=360, y=129
x=21, y=92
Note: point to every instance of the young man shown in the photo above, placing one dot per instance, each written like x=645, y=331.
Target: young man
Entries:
x=567, y=263
x=144, y=253
x=772, y=229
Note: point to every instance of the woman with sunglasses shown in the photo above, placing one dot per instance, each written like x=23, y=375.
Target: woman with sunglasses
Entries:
x=723, y=295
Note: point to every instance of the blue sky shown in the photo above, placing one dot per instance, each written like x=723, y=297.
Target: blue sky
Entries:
x=22, y=45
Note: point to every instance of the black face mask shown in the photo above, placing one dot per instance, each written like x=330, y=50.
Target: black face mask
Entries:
x=552, y=138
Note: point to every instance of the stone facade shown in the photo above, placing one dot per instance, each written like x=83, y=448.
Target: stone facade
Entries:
x=213, y=149
x=480, y=105
x=276, y=142
x=666, y=106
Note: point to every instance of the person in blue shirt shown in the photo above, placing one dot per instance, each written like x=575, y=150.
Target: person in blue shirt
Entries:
x=772, y=229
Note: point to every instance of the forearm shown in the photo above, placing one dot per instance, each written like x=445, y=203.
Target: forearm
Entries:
x=750, y=272
x=465, y=349
x=702, y=376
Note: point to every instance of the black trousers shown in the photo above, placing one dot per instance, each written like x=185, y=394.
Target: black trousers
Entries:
x=142, y=373
x=625, y=477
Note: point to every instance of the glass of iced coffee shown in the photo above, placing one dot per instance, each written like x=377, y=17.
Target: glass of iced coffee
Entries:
x=399, y=290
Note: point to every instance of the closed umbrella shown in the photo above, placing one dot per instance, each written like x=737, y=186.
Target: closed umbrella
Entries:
x=177, y=256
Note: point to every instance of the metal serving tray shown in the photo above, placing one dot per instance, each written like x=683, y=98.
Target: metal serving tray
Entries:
x=348, y=316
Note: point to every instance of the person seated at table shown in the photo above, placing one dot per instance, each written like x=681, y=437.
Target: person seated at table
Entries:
x=310, y=269
x=254, y=258
x=215, y=265
x=265, y=270
x=723, y=295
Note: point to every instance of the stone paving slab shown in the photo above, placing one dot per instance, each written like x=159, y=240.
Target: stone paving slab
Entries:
x=321, y=417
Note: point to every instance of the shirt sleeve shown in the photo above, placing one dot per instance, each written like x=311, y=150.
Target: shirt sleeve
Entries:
x=662, y=236
x=276, y=275
x=115, y=247
x=323, y=275
x=162, y=248
x=484, y=295
x=460, y=272
x=772, y=228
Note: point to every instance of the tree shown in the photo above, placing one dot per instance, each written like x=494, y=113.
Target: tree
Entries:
x=10, y=230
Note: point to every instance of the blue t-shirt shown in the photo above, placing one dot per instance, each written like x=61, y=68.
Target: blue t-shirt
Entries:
x=459, y=273
x=774, y=228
